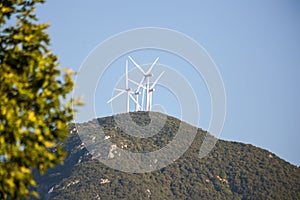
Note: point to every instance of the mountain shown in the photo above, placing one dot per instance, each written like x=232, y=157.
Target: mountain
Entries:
x=231, y=170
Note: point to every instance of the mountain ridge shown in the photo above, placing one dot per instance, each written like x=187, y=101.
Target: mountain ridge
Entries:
x=232, y=170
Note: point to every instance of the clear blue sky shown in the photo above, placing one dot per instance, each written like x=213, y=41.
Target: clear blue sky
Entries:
x=255, y=44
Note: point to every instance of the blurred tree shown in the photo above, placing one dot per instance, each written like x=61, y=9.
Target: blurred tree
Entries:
x=34, y=106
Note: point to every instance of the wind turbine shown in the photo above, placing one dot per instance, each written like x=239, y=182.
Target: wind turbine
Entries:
x=147, y=76
x=126, y=90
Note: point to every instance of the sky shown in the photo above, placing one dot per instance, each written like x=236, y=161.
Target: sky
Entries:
x=254, y=44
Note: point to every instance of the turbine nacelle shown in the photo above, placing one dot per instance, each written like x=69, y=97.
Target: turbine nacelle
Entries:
x=149, y=75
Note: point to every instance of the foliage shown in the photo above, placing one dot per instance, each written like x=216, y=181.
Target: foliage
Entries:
x=231, y=171
x=33, y=116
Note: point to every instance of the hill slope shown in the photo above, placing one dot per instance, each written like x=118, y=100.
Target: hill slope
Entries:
x=231, y=171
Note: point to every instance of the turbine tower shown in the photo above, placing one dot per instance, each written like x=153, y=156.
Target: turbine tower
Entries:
x=126, y=90
x=146, y=79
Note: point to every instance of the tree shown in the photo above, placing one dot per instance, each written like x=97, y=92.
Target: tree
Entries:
x=34, y=103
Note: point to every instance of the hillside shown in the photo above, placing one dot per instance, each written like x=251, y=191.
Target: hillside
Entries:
x=231, y=171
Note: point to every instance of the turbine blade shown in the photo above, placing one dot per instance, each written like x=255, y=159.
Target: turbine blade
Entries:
x=155, y=82
x=120, y=93
x=120, y=90
x=140, y=84
x=139, y=67
x=137, y=84
x=133, y=99
x=153, y=64
x=132, y=81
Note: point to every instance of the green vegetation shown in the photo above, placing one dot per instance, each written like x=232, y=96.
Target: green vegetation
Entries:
x=231, y=171
x=32, y=89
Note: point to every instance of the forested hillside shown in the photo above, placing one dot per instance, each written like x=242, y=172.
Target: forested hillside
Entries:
x=231, y=170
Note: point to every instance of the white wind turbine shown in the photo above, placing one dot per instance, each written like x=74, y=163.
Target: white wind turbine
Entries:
x=126, y=90
x=151, y=89
x=146, y=79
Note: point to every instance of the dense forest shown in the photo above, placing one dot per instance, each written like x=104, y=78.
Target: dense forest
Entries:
x=231, y=170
